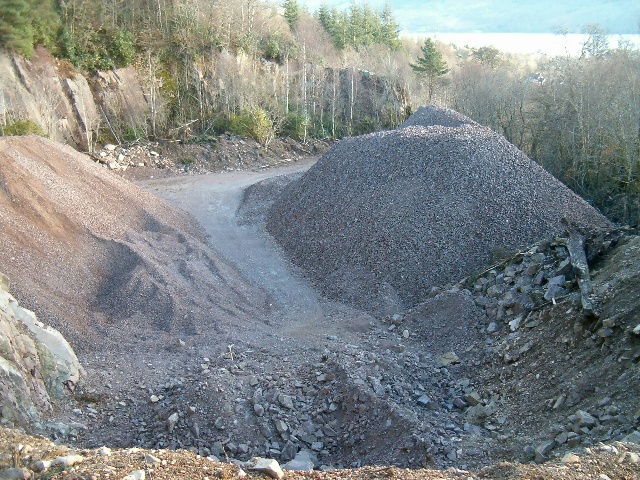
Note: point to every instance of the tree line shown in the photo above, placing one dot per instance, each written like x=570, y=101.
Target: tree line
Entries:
x=260, y=69
x=243, y=65
x=579, y=117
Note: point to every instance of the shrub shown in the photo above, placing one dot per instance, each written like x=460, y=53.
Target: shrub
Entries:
x=294, y=126
x=255, y=123
x=22, y=127
x=98, y=50
x=133, y=133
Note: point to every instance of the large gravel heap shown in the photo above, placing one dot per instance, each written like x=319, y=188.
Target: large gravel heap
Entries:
x=103, y=261
x=382, y=218
x=432, y=115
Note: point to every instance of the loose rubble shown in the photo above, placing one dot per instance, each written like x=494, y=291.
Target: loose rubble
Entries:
x=618, y=460
x=226, y=152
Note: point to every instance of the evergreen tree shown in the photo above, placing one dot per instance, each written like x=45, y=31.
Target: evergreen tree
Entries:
x=358, y=26
x=324, y=16
x=487, y=56
x=16, y=29
x=291, y=12
x=46, y=22
x=389, y=30
x=430, y=65
x=370, y=30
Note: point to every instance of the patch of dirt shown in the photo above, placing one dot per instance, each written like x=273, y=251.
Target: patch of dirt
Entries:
x=18, y=450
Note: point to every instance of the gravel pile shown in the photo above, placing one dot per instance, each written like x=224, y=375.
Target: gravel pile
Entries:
x=100, y=259
x=382, y=218
x=431, y=115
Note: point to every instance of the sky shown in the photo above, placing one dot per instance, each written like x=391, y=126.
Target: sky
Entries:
x=505, y=16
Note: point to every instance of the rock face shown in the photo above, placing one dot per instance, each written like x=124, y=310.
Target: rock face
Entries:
x=383, y=217
x=69, y=107
x=36, y=364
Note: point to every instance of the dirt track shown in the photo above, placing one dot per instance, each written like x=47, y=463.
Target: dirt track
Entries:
x=213, y=199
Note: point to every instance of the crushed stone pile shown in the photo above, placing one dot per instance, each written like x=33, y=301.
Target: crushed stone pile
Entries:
x=382, y=218
x=103, y=261
x=431, y=115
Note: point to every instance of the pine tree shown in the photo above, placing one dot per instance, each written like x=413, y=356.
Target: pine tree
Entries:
x=430, y=65
x=356, y=24
x=16, y=30
x=46, y=22
x=291, y=12
x=389, y=28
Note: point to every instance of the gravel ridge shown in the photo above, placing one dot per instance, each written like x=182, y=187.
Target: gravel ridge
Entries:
x=382, y=218
x=431, y=115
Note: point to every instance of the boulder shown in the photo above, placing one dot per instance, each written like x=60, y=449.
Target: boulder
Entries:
x=36, y=364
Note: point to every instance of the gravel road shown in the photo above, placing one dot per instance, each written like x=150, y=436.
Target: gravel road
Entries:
x=213, y=199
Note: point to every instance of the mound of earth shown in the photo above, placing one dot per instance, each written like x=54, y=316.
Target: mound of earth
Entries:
x=103, y=261
x=382, y=218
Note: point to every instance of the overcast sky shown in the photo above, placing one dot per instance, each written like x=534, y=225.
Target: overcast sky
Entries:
x=509, y=16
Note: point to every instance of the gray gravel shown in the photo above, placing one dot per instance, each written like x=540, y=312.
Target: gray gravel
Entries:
x=382, y=218
x=431, y=115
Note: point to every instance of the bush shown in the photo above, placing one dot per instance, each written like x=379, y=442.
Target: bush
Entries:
x=133, y=133
x=294, y=126
x=98, y=50
x=123, y=49
x=255, y=123
x=22, y=127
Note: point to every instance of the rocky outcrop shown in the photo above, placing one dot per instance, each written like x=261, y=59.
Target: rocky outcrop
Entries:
x=36, y=363
x=69, y=107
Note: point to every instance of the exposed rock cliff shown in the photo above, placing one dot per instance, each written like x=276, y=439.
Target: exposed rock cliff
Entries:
x=66, y=105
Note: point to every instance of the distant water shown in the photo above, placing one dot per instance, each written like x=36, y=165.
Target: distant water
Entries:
x=537, y=43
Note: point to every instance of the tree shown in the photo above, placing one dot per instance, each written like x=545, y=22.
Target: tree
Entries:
x=16, y=29
x=487, y=56
x=430, y=65
x=390, y=30
x=597, y=42
x=291, y=12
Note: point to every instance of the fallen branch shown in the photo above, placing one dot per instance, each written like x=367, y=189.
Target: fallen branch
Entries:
x=113, y=132
x=575, y=245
